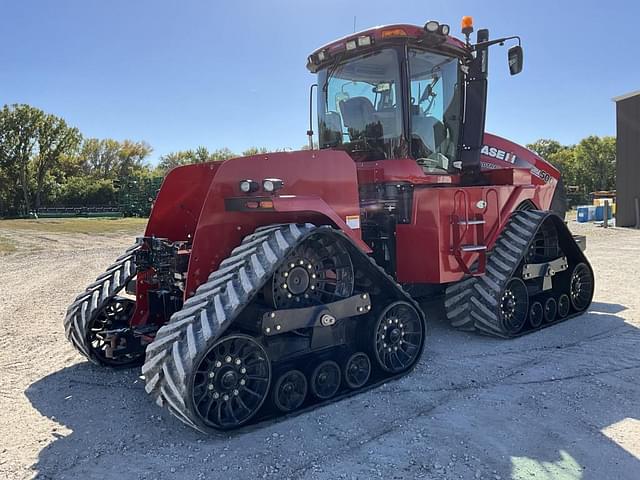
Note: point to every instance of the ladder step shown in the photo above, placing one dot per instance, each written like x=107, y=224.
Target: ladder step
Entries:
x=473, y=248
x=471, y=222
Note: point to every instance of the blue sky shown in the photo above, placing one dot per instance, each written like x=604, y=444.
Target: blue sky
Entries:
x=179, y=74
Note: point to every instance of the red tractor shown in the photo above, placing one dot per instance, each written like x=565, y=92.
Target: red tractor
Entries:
x=277, y=282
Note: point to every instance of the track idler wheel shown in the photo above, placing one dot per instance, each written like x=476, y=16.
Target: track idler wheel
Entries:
x=550, y=309
x=399, y=333
x=325, y=380
x=110, y=347
x=581, y=287
x=290, y=391
x=514, y=306
x=357, y=370
x=231, y=382
x=536, y=314
x=318, y=271
x=564, y=305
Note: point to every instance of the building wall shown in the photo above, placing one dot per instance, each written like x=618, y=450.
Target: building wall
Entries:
x=628, y=159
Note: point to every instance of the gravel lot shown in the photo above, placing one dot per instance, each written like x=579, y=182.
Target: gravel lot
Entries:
x=563, y=403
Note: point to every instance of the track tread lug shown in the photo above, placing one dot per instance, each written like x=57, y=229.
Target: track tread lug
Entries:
x=492, y=301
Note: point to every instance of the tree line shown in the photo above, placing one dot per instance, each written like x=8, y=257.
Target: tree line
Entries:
x=588, y=166
x=46, y=162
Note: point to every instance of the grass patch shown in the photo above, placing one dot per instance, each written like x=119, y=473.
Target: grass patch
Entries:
x=6, y=246
x=77, y=225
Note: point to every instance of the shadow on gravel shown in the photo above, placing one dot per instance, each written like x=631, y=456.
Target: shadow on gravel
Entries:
x=542, y=408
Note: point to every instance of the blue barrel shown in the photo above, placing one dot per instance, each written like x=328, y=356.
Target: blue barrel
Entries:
x=599, y=216
x=583, y=214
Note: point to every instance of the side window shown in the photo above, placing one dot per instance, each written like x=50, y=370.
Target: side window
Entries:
x=435, y=110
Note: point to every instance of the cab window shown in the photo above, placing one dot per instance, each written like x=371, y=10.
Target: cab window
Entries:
x=434, y=110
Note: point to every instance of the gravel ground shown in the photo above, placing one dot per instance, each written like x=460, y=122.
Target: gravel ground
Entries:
x=562, y=403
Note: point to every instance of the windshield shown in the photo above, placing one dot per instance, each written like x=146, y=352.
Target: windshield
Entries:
x=360, y=107
x=435, y=110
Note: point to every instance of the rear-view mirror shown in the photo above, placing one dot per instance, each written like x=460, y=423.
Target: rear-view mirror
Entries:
x=515, y=56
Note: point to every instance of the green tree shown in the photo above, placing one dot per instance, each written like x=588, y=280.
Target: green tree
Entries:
x=254, y=151
x=186, y=157
x=565, y=161
x=546, y=147
x=84, y=190
x=19, y=126
x=221, y=154
x=131, y=157
x=596, y=163
x=55, y=139
x=100, y=157
x=174, y=159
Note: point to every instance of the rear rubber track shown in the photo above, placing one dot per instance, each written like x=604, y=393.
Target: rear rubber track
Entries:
x=172, y=357
x=473, y=303
x=80, y=313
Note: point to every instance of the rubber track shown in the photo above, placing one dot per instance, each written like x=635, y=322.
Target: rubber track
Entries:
x=456, y=304
x=472, y=304
x=106, y=286
x=171, y=357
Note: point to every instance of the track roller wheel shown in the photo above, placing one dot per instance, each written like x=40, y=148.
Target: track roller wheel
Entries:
x=231, y=382
x=290, y=391
x=514, y=306
x=115, y=315
x=399, y=334
x=581, y=287
x=325, y=380
x=357, y=370
x=536, y=314
x=550, y=309
x=564, y=304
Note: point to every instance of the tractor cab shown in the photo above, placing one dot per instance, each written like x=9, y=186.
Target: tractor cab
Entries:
x=400, y=91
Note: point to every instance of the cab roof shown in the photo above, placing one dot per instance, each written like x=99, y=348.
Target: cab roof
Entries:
x=378, y=35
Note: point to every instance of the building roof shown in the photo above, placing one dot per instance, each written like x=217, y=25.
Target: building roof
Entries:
x=625, y=96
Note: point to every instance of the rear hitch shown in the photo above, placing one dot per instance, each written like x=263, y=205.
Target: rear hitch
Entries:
x=122, y=341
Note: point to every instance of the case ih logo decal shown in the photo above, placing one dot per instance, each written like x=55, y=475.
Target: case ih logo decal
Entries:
x=499, y=154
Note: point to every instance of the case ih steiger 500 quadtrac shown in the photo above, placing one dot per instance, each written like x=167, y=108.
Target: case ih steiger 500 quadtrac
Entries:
x=278, y=282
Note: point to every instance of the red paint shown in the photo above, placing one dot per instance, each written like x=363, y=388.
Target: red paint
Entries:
x=325, y=181
x=321, y=187
x=177, y=207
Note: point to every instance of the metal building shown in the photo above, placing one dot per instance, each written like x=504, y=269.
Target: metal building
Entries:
x=628, y=159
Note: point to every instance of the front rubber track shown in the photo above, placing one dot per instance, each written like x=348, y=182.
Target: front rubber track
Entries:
x=472, y=304
x=94, y=298
x=174, y=354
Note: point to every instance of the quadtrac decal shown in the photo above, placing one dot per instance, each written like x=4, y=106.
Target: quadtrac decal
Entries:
x=488, y=165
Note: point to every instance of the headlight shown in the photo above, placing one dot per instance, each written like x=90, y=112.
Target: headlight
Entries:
x=432, y=26
x=248, y=186
x=272, y=184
